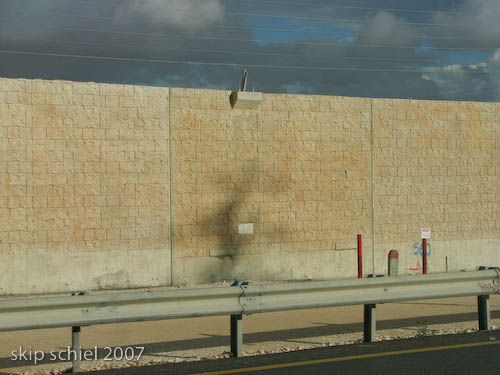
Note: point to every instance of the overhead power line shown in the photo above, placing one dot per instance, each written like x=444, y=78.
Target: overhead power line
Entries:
x=224, y=26
x=311, y=5
x=330, y=19
x=275, y=16
x=333, y=44
x=232, y=52
x=336, y=6
x=239, y=27
x=160, y=61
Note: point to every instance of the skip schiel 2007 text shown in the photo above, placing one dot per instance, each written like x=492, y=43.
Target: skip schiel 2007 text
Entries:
x=129, y=353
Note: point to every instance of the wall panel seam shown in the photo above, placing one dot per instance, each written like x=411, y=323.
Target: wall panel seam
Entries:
x=170, y=225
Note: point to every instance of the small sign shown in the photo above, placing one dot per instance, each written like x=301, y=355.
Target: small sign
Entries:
x=426, y=233
x=245, y=228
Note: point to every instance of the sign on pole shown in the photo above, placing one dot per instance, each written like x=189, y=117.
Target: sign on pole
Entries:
x=426, y=233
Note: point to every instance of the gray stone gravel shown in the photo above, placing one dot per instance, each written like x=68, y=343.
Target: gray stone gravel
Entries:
x=268, y=347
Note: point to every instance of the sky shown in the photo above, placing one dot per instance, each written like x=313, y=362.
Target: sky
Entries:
x=426, y=49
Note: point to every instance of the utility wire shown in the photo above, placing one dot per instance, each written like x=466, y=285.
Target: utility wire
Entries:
x=325, y=44
x=274, y=16
x=252, y=28
x=249, y=28
x=308, y=4
x=399, y=10
x=326, y=19
x=230, y=52
x=337, y=6
x=18, y=52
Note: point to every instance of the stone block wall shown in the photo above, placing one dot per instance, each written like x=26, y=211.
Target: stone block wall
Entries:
x=83, y=186
x=116, y=186
x=297, y=168
x=437, y=165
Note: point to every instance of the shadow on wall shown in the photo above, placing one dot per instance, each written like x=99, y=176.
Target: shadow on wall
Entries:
x=236, y=230
x=235, y=193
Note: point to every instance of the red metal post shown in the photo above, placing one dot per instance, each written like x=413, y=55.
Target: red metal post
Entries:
x=360, y=257
x=424, y=256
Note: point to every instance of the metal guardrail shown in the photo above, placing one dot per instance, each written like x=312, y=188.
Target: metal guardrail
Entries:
x=303, y=295
x=83, y=310
x=88, y=309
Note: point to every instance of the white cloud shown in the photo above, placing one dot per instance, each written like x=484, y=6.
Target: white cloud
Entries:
x=470, y=82
x=385, y=28
x=186, y=15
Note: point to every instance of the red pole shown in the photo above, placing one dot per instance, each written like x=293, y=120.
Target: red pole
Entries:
x=360, y=257
x=424, y=256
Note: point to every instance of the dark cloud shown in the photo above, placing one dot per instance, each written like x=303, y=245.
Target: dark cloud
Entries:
x=173, y=30
x=472, y=23
x=494, y=72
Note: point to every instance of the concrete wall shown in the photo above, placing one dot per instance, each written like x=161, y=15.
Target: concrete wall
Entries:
x=111, y=186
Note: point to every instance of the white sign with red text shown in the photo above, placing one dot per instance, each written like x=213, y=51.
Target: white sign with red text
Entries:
x=426, y=233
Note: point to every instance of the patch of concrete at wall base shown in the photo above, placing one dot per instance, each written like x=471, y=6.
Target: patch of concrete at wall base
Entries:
x=443, y=256
x=268, y=267
x=149, y=268
x=55, y=272
x=13, y=272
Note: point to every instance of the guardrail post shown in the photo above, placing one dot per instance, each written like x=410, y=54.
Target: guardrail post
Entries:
x=75, y=343
x=237, y=335
x=237, y=327
x=370, y=323
x=483, y=310
x=75, y=347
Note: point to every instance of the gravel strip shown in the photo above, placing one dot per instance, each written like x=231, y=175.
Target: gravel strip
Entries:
x=253, y=349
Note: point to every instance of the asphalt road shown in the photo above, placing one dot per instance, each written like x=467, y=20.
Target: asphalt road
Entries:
x=475, y=353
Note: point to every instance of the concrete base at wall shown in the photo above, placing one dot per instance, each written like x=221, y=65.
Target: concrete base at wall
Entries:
x=39, y=272
x=279, y=266
x=442, y=256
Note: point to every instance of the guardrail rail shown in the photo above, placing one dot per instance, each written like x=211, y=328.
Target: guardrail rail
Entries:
x=88, y=309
